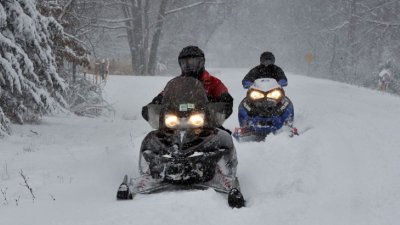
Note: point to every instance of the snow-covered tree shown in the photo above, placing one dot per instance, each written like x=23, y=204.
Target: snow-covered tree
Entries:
x=4, y=128
x=66, y=46
x=29, y=83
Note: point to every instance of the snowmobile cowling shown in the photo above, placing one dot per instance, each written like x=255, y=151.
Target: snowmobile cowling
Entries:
x=186, y=149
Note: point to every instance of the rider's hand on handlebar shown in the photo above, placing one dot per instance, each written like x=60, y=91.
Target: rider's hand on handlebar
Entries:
x=246, y=84
x=283, y=82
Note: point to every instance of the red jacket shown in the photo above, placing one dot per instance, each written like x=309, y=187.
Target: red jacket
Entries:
x=214, y=86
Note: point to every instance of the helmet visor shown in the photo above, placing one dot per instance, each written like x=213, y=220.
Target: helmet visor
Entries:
x=267, y=62
x=191, y=65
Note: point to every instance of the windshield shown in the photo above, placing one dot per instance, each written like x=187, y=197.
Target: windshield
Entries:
x=183, y=95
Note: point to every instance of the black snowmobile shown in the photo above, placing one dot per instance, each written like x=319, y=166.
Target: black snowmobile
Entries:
x=187, y=150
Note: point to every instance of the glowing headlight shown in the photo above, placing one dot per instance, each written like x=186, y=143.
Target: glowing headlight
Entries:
x=256, y=95
x=275, y=94
x=171, y=120
x=196, y=120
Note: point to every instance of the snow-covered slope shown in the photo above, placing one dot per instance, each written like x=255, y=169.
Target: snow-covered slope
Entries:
x=343, y=169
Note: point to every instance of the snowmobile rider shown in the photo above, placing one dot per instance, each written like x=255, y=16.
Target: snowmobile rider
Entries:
x=191, y=61
x=266, y=69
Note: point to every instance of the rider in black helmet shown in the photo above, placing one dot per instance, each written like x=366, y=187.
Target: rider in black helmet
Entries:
x=191, y=60
x=266, y=69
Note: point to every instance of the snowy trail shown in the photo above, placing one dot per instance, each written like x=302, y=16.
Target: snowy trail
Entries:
x=343, y=170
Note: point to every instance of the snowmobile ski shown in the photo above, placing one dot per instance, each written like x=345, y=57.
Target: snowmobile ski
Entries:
x=123, y=192
x=235, y=198
x=145, y=184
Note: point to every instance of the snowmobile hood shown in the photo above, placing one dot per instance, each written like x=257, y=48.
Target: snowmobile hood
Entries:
x=183, y=95
x=265, y=84
x=184, y=104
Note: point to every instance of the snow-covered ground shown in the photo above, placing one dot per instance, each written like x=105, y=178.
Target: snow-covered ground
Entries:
x=343, y=169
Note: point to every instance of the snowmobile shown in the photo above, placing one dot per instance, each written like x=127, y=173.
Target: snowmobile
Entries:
x=264, y=110
x=186, y=150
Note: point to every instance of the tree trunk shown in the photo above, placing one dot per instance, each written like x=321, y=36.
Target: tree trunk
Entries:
x=156, y=38
x=138, y=32
x=135, y=39
x=129, y=33
x=333, y=59
x=73, y=72
x=351, y=44
x=146, y=36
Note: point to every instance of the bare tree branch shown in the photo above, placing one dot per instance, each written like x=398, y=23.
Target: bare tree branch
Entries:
x=184, y=7
x=389, y=24
x=25, y=178
x=111, y=27
x=116, y=21
x=4, y=193
x=65, y=9
x=381, y=5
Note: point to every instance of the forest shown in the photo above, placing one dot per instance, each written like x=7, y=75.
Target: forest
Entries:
x=47, y=45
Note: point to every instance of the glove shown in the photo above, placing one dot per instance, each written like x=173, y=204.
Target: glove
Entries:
x=246, y=84
x=227, y=107
x=145, y=113
x=283, y=82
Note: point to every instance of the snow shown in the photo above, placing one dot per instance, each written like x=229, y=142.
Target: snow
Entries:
x=384, y=72
x=343, y=169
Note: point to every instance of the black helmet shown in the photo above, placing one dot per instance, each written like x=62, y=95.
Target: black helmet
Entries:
x=267, y=58
x=191, y=51
x=191, y=60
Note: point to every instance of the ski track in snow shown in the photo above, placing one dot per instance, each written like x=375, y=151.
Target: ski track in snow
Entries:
x=343, y=169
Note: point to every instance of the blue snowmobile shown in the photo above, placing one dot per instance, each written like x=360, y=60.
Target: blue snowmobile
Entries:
x=264, y=110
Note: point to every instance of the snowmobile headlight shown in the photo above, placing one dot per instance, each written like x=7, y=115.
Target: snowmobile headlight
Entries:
x=256, y=95
x=196, y=120
x=275, y=94
x=171, y=120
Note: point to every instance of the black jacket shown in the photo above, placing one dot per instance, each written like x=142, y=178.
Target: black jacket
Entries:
x=262, y=71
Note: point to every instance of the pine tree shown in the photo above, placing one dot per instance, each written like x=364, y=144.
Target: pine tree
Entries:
x=83, y=97
x=29, y=83
x=4, y=128
x=66, y=47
